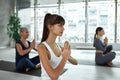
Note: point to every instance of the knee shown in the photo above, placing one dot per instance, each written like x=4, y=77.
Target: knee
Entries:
x=24, y=60
x=113, y=54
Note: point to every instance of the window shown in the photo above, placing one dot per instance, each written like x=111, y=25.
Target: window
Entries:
x=40, y=12
x=118, y=23
x=35, y=21
x=101, y=13
x=81, y=20
x=75, y=22
x=27, y=20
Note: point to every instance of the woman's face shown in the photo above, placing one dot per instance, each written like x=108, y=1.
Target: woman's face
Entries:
x=57, y=29
x=101, y=33
x=25, y=33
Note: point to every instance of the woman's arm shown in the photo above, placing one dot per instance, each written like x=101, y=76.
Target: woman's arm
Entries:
x=53, y=73
x=72, y=60
x=35, y=49
x=99, y=45
x=21, y=51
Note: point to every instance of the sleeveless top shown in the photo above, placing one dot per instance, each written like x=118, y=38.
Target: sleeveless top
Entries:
x=54, y=61
x=18, y=56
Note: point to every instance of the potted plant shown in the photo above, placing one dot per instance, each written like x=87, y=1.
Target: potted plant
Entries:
x=13, y=27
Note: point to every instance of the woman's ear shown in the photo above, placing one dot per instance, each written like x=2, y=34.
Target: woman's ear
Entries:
x=50, y=27
x=98, y=32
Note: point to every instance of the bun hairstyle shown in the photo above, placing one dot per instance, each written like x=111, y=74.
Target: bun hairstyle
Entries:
x=96, y=32
x=50, y=19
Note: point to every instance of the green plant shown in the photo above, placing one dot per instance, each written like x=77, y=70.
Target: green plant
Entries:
x=13, y=27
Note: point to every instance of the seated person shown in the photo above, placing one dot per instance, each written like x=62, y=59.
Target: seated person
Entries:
x=23, y=48
x=104, y=55
x=53, y=57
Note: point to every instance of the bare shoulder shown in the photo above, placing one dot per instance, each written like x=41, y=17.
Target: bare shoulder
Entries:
x=43, y=51
x=41, y=47
x=17, y=45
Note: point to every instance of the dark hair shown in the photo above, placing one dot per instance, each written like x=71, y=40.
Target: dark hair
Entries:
x=96, y=32
x=51, y=19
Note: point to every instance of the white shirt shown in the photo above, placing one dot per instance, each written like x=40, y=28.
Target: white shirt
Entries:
x=54, y=61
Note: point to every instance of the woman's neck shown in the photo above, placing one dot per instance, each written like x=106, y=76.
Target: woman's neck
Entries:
x=23, y=39
x=98, y=36
x=51, y=39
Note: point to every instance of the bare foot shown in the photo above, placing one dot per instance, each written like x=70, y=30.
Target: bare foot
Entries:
x=109, y=64
x=27, y=69
x=38, y=66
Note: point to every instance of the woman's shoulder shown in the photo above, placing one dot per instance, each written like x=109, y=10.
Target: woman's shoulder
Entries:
x=96, y=40
x=42, y=49
x=18, y=41
x=41, y=46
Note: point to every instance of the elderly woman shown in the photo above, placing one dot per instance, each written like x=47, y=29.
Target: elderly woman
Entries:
x=23, y=48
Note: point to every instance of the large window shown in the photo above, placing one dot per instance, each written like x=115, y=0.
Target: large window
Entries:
x=81, y=19
x=101, y=14
x=33, y=19
x=118, y=22
x=27, y=20
x=41, y=11
x=75, y=22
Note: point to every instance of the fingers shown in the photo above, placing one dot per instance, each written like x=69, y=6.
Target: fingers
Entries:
x=66, y=45
x=33, y=41
x=32, y=44
x=106, y=39
x=67, y=48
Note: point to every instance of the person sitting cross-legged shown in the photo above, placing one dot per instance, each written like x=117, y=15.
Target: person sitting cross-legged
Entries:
x=23, y=48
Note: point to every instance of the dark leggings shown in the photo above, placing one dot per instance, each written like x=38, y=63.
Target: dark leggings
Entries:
x=104, y=58
x=27, y=63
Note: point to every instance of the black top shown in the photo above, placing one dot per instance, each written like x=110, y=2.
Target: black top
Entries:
x=18, y=56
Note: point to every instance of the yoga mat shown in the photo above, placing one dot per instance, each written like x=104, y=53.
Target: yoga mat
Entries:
x=10, y=66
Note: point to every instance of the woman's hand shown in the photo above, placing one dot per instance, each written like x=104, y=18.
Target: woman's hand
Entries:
x=66, y=51
x=106, y=41
x=32, y=45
